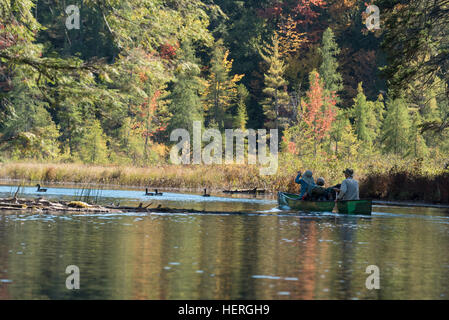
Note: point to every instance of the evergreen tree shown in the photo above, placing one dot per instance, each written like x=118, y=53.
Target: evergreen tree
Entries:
x=415, y=42
x=349, y=143
x=185, y=101
x=338, y=127
x=276, y=104
x=376, y=116
x=26, y=126
x=417, y=147
x=328, y=70
x=93, y=147
x=242, y=116
x=363, y=117
x=221, y=88
x=129, y=144
x=396, y=127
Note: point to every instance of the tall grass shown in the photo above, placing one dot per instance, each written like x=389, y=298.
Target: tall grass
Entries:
x=380, y=177
x=88, y=195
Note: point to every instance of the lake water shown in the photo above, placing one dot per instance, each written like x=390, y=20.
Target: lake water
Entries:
x=265, y=253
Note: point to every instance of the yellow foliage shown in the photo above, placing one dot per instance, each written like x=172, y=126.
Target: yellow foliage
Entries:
x=160, y=149
x=290, y=40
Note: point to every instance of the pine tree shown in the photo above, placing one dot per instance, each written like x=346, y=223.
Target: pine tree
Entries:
x=276, y=104
x=26, y=126
x=376, y=116
x=130, y=142
x=241, y=118
x=185, y=101
x=417, y=147
x=328, y=70
x=349, y=144
x=93, y=147
x=221, y=88
x=338, y=127
x=364, y=117
x=396, y=127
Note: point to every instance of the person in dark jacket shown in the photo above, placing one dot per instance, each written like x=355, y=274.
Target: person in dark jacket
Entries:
x=319, y=192
x=307, y=183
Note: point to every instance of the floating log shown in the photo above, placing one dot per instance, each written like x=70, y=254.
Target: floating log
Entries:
x=245, y=191
x=13, y=205
x=41, y=204
x=45, y=206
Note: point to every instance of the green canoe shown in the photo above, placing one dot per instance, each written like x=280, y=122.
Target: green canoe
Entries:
x=362, y=207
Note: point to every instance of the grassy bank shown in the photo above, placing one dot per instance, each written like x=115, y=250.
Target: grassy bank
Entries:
x=405, y=185
x=387, y=179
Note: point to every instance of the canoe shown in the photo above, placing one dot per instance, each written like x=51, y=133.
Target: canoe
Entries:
x=362, y=207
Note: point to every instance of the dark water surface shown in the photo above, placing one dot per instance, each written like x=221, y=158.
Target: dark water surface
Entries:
x=263, y=254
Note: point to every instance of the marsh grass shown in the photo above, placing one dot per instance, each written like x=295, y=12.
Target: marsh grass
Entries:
x=89, y=195
x=380, y=177
x=16, y=191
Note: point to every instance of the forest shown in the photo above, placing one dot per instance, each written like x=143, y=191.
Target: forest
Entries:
x=109, y=90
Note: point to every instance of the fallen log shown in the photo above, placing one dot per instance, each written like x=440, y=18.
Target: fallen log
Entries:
x=13, y=205
x=45, y=206
x=42, y=205
x=247, y=191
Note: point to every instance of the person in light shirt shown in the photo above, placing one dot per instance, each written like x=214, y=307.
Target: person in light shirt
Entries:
x=349, y=189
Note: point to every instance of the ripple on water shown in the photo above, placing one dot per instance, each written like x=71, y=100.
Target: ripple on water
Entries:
x=5, y=280
x=274, y=277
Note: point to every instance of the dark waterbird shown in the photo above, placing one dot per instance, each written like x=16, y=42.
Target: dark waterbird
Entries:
x=156, y=193
x=39, y=189
x=205, y=194
x=148, y=193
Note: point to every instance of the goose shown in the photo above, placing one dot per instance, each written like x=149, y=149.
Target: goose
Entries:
x=205, y=194
x=148, y=193
x=157, y=193
x=39, y=188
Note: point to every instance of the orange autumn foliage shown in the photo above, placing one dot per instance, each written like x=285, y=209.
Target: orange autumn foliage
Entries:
x=320, y=109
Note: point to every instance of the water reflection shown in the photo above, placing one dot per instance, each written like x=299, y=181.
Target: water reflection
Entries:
x=269, y=256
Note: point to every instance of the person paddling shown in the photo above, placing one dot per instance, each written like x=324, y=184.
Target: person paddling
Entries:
x=349, y=189
x=306, y=181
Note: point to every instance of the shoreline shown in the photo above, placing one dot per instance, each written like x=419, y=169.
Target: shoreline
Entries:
x=43, y=206
x=409, y=204
x=390, y=187
x=270, y=194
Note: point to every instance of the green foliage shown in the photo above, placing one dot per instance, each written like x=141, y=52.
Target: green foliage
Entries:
x=329, y=51
x=221, y=88
x=276, y=104
x=185, y=97
x=92, y=145
x=396, y=128
x=417, y=144
x=364, y=119
x=241, y=118
x=27, y=126
x=416, y=45
x=138, y=69
x=337, y=132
